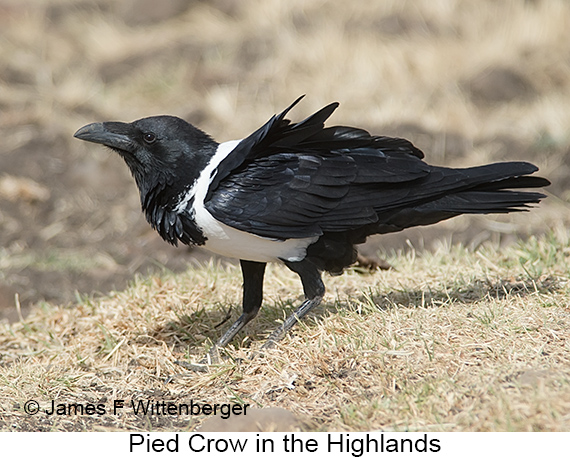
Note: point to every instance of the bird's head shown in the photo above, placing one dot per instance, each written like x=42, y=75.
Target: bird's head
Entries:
x=161, y=151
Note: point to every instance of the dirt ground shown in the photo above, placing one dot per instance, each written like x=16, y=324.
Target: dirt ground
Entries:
x=69, y=214
x=453, y=338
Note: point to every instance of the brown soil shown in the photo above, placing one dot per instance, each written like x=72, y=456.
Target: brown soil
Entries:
x=69, y=214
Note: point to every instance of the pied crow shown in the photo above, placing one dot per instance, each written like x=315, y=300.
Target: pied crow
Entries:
x=298, y=193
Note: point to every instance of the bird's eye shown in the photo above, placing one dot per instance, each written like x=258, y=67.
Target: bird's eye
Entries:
x=149, y=138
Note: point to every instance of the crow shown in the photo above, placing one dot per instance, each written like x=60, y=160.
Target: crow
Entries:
x=297, y=193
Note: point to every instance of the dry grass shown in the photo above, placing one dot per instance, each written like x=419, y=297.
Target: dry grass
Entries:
x=450, y=340
x=387, y=62
x=454, y=339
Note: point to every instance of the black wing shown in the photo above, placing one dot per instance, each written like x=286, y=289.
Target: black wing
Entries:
x=289, y=180
x=295, y=180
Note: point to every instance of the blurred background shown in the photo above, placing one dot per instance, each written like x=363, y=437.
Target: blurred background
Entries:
x=468, y=82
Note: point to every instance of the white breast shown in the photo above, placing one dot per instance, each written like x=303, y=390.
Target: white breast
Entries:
x=228, y=241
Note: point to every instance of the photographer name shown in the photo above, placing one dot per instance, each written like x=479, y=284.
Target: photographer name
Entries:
x=147, y=408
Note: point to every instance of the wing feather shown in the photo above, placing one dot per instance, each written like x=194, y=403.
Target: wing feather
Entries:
x=290, y=180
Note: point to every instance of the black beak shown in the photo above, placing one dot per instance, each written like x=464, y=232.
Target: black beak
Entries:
x=116, y=135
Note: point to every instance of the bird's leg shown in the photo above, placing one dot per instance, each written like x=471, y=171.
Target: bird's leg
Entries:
x=252, y=297
x=314, y=290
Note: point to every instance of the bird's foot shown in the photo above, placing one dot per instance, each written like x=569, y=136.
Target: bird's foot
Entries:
x=212, y=358
x=279, y=333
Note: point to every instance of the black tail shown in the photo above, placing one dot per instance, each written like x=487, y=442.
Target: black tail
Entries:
x=485, y=202
x=478, y=190
x=492, y=191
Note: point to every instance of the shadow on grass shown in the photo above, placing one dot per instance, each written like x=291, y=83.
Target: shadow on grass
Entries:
x=207, y=325
x=465, y=293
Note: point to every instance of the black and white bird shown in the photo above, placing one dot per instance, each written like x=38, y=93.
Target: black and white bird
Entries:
x=297, y=193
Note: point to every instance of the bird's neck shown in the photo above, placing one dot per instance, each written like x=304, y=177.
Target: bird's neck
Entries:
x=161, y=205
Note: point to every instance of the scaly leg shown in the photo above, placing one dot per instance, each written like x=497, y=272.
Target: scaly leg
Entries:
x=252, y=298
x=314, y=291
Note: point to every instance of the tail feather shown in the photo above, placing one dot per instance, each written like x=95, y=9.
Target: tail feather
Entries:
x=485, y=202
x=494, y=193
x=516, y=182
x=483, y=190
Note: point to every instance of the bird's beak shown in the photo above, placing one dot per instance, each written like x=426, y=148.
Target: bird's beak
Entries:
x=112, y=134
